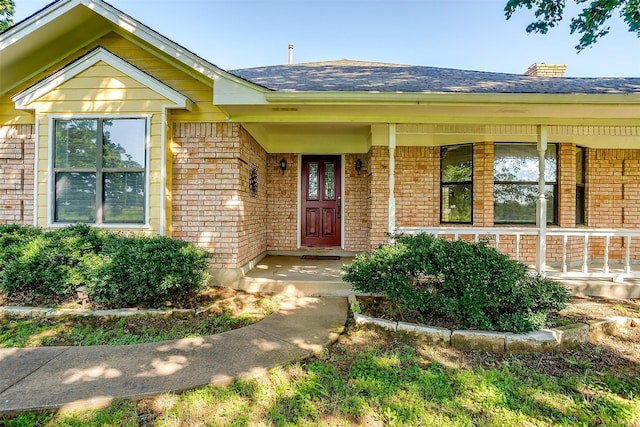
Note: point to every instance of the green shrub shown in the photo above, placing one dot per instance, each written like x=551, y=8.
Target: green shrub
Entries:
x=147, y=270
x=49, y=263
x=470, y=282
x=12, y=239
x=117, y=270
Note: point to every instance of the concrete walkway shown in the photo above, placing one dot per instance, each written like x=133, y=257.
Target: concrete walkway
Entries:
x=87, y=377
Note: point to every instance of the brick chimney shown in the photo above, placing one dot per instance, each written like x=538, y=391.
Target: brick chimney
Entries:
x=540, y=69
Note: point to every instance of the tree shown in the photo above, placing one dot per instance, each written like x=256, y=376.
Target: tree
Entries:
x=590, y=23
x=7, y=9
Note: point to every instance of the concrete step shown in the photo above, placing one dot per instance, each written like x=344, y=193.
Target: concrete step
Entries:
x=297, y=288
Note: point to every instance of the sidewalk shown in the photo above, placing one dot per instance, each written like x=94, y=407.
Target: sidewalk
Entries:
x=87, y=377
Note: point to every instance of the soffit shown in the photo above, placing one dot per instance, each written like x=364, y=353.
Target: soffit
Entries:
x=484, y=112
x=46, y=45
x=64, y=27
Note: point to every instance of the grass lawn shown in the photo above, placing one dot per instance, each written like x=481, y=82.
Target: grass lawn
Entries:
x=372, y=377
x=228, y=310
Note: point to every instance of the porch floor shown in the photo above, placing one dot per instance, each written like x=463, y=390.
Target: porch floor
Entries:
x=309, y=277
x=294, y=275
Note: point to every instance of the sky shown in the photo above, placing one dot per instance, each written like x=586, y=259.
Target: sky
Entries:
x=462, y=34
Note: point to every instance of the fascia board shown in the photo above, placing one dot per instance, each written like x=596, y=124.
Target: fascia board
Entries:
x=40, y=19
x=448, y=98
x=124, y=23
x=235, y=91
x=24, y=99
x=168, y=47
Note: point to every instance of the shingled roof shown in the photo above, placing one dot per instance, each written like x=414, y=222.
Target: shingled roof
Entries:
x=356, y=76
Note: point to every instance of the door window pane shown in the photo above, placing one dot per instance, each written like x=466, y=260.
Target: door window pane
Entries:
x=75, y=197
x=329, y=181
x=312, y=189
x=123, y=197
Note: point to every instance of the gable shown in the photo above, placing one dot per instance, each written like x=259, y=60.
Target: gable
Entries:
x=99, y=77
x=65, y=26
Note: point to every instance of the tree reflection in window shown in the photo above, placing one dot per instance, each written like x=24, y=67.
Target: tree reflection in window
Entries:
x=456, y=183
x=313, y=182
x=515, y=191
x=99, y=167
x=329, y=181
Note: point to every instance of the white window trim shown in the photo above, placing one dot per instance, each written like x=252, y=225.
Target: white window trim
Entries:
x=51, y=194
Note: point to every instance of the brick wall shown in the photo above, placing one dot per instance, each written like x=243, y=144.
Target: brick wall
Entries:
x=211, y=204
x=282, y=206
x=417, y=188
x=540, y=69
x=356, y=209
x=566, y=185
x=483, y=184
x=252, y=232
x=378, y=184
x=613, y=189
x=17, y=145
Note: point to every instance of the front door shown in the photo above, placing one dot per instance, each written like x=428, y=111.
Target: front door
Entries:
x=321, y=201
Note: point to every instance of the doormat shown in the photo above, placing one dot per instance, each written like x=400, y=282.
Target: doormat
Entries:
x=321, y=257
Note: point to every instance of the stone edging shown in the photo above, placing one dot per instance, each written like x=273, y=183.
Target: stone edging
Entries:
x=54, y=312
x=556, y=339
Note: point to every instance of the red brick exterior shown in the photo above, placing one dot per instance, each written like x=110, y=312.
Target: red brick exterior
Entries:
x=613, y=190
x=17, y=154
x=212, y=205
x=566, y=185
x=211, y=202
x=282, y=207
x=378, y=195
x=417, y=188
x=483, y=184
x=356, y=203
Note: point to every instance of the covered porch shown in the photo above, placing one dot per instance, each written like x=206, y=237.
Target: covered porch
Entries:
x=318, y=276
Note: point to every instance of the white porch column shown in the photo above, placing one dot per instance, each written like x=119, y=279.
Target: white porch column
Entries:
x=541, y=211
x=392, y=179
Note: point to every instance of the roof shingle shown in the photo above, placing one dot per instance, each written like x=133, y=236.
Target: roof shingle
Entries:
x=354, y=76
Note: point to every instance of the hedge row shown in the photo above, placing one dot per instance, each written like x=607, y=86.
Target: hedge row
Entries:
x=117, y=270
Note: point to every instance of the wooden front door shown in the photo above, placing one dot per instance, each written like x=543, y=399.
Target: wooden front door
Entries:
x=321, y=201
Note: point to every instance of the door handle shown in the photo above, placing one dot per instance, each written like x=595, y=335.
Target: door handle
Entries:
x=339, y=210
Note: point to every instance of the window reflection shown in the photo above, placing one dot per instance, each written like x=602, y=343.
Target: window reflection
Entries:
x=313, y=182
x=329, y=181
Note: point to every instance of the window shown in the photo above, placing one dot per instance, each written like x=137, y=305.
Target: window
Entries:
x=456, y=183
x=99, y=170
x=515, y=177
x=580, y=193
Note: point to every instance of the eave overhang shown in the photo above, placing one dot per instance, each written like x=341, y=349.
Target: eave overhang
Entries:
x=448, y=98
x=366, y=107
x=52, y=34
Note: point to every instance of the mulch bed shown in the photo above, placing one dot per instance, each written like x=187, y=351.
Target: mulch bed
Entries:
x=579, y=310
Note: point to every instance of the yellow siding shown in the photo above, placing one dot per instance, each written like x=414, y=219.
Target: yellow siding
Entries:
x=192, y=85
x=111, y=92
